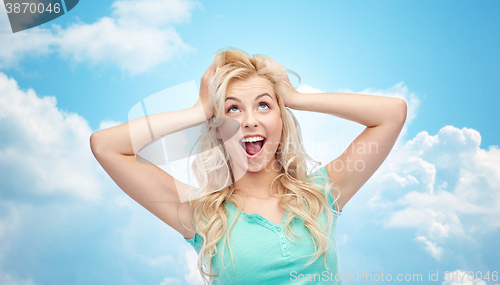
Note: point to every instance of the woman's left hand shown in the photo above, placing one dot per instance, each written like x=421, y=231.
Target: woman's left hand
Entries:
x=290, y=94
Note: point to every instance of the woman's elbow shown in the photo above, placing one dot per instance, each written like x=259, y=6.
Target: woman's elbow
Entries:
x=96, y=143
x=400, y=111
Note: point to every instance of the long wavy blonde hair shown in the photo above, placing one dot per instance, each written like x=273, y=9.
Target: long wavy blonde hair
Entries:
x=297, y=193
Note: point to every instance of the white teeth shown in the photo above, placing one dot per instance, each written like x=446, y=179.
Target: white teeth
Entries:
x=252, y=139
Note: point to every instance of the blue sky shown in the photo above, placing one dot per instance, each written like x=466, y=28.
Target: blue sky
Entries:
x=432, y=206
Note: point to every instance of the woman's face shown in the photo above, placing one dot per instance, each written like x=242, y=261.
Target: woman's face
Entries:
x=254, y=105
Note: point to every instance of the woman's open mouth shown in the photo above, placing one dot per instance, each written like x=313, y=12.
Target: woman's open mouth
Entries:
x=253, y=145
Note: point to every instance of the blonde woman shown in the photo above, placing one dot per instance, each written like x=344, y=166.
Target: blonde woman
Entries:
x=274, y=222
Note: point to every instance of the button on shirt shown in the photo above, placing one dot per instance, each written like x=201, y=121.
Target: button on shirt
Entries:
x=264, y=255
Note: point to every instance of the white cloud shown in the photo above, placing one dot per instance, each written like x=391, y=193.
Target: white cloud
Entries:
x=342, y=239
x=134, y=49
x=45, y=166
x=436, y=224
x=58, y=208
x=442, y=188
x=308, y=89
x=431, y=247
x=447, y=187
x=34, y=43
x=108, y=124
x=193, y=276
x=397, y=91
x=171, y=281
x=6, y=279
x=137, y=37
x=44, y=151
x=160, y=261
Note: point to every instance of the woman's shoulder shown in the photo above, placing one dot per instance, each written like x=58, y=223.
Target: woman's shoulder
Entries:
x=196, y=241
x=319, y=176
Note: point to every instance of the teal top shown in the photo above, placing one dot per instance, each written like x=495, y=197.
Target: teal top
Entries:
x=264, y=255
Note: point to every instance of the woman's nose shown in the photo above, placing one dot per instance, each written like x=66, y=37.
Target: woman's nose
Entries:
x=250, y=121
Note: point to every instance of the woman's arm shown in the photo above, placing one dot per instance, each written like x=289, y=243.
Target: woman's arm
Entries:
x=383, y=117
x=115, y=149
x=129, y=138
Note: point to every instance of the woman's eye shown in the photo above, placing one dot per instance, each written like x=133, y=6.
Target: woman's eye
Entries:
x=264, y=104
x=230, y=109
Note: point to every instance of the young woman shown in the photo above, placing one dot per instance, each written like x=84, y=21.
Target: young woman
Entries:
x=274, y=223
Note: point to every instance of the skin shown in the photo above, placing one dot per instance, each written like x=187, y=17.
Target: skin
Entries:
x=253, y=103
x=384, y=117
x=116, y=148
x=258, y=174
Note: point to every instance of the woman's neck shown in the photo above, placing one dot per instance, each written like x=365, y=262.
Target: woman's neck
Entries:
x=257, y=184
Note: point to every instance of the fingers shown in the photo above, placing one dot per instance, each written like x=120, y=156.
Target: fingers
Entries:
x=212, y=71
x=209, y=69
x=271, y=62
x=209, y=74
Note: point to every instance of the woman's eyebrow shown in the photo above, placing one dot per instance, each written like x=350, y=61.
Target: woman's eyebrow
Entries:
x=233, y=98
x=256, y=98
x=261, y=95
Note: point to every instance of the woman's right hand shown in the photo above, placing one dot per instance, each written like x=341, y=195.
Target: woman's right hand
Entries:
x=205, y=98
